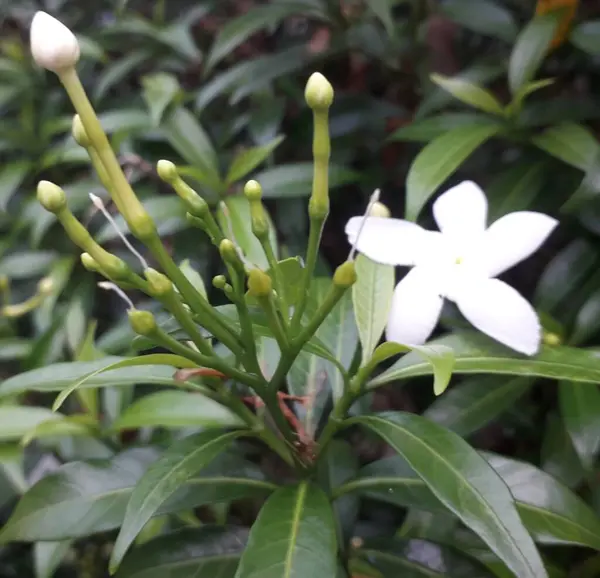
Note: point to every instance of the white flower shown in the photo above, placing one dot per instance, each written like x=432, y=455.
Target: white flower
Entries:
x=53, y=45
x=459, y=263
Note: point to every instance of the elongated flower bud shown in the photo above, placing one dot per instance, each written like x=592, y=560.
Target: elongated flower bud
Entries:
x=318, y=92
x=260, y=225
x=53, y=45
x=160, y=285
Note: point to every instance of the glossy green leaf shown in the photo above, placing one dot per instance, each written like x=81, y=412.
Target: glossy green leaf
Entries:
x=476, y=402
x=205, y=551
x=163, y=478
x=291, y=272
x=464, y=482
x=557, y=454
x=16, y=421
x=193, y=276
x=159, y=90
x=440, y=357
x=143, y=360
x=470, y=94
x=587, y=321
x=11, y=177
x=585, y=36
x=530, y=49
x=294, y=535
x=295, y=180
x=192, y=143
x=372, y=299
x=117, y=71
x=176, y=409
x=59, y=376
x=27, y=264
x=14, y=348
x=239, y=220
x=47, y=557
x=247, y=160
x=580, y=409
x=439, y=159
x=427, y=129
x=71, y=426
x=475, y=353
x=419, y=559
x=238, y=30
x=490, y=18
x=82, y=498
x=570, y=143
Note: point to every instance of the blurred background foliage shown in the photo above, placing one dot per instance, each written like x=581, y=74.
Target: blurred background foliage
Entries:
x=217, y=87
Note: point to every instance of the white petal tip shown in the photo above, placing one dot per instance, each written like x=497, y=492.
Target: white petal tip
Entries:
x=53, y=45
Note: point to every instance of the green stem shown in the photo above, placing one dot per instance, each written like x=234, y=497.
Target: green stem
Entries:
x=277, y=280
x=275, y=322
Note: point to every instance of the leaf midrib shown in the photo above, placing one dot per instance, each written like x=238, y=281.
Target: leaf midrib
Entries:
x=289, y=556
x=456, y=473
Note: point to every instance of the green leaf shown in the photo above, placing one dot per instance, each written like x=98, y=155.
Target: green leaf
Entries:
x=383, y=10
x=549, y=510
x=47, y=557
x=372, y=299
x=464, y=482
x=163, y=478
x=27, y=264
x=82, y=498
x=143, y=360
x=427, y=129
x=580, y=409
x=490, y=18
x=569, y=142
x=247, y=160
x=476, y=402
x=189, y=139
x=117, y=71
x=586, y=37
x=205, y=551
x=291, y=272
x=440, y=357
x=193, y=276
x=475, y=353
x=295, y=180
x=16, y=421
x=587, y=321
x=239, y=220
x=176, y=409
x=530, y=49
x=237, y=30
x=470, y=94
x=159, y=90
x=59, y=376
x=297, y=526
x=418, y=559
x=439, y=159
x=11, y=177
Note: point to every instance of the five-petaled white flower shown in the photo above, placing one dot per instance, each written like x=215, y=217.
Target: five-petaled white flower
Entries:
x=53, y=45
x=459, y=263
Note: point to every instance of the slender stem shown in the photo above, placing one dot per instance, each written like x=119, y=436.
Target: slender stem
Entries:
x=277, y=280
x=210, y=318
x=275, y=322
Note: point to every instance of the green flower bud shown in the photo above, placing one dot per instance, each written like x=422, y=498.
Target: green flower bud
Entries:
x=142, y=322
x=51, y=197
x=551, y=339
x=219, y=282
x=253, y=191
x=139, y=221
x=89, y=263
x=379, y=210
x=259, y=283
x=318, y=93
x=79, y=134
x=167, y=171
x=45, y=286
x=229, y=253
x=345, y=275
x=160, y=285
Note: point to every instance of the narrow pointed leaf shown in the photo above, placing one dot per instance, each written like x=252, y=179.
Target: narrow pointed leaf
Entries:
x=470, y=93
x=206, y=551
x=464, y=482
x=16, y=421
x=570, y=142
x=162, y=479
x=246, y=161
x=440, y=159
x=82, y=498
x=372, y=299
x=293, y=536
x=475, y=353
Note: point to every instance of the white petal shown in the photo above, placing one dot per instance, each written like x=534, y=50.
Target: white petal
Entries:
x=498, y=310
x=387, y=241
x=53, y=45
x=461, y=211
x=416, y=308
x=513, y=238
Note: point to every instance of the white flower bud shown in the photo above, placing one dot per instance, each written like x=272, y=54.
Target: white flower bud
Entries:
x=53, y=45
